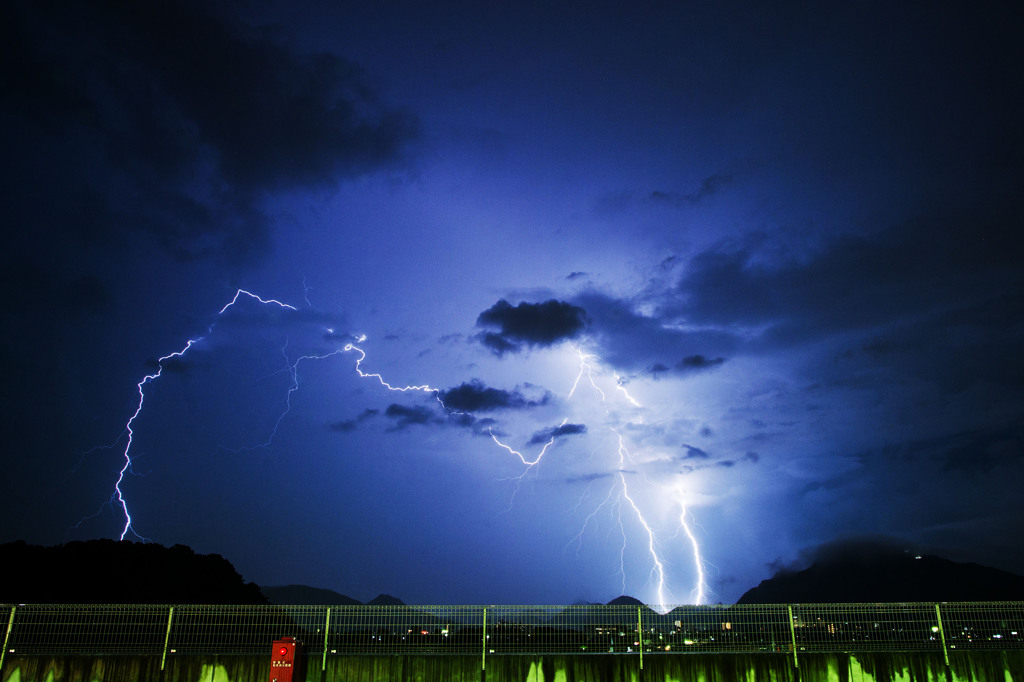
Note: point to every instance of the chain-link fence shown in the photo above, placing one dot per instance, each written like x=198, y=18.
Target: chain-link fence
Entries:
x=48, y=629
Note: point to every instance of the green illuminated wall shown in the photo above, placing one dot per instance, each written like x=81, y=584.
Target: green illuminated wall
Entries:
x=986, y=666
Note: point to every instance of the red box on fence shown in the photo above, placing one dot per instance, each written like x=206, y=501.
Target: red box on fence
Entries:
x=286, y=660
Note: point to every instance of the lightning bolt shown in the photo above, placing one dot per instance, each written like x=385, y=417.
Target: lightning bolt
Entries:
x=697, y=594
x=658, y=575
x=586, y=368
x=522, y=458
x=619, y=494
x=118, y=494
x=658, y=568
x=373, y=375
x=292, y=369
x=117, y=498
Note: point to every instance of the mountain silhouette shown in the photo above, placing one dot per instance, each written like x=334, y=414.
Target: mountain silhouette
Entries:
x=865, y=573
x=112, y=572
x=304, y=595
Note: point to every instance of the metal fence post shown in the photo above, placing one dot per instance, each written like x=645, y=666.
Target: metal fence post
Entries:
x=7, y=635
x=942, y=634
x=640, y=635
x=792, y=635
x=483, y=650
x=167, y=637
x=327, y=630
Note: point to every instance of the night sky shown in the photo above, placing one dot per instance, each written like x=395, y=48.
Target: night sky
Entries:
x=747, y=273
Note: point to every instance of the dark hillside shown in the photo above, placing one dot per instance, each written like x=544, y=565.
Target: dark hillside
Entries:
x=886, y=576
x=111, y=572
x=303, y=595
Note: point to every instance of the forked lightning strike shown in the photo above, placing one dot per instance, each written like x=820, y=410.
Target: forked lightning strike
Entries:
x=522, y=458
x=585, y=368
x=117, y=497
x=698, y=591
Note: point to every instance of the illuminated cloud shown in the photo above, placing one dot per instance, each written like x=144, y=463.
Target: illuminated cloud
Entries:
x=545, y=435
x=474, y=396
x=530, y=324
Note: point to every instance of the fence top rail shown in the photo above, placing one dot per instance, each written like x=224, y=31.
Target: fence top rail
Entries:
x=660, y=608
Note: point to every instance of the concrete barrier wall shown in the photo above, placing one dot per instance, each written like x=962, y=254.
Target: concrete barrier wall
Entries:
x=979, y=666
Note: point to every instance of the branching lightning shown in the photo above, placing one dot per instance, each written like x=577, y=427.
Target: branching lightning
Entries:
x=658, y=568
x=117, y=497
x=697, y=595
x=619, y=493
x=373, y=375
x=292, y=368
x=529, y=464
x=118, y=494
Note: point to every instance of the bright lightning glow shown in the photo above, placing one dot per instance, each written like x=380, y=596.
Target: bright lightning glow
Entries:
x=586, y=367
x=620, y=385
x=530, y=464
x=243, y=292
x=659, y=568
x=292, y=368
x=619, y=493
x=118, y=493
x=698, y=591
x=366, y=375
x=117, y=497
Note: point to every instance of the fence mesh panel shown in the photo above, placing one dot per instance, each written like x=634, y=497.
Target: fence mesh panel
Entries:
x=91, y=629
x=405, y=629
x=242, y=629
x=866, y=627
x=983, y=625
x=87, y=629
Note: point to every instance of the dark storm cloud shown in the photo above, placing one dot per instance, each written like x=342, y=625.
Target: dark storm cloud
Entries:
x=698, y=362
x=640, y=342
x=530, y=324
x=709, y=187
x=926, y=266
x=691, y=452
x=545, y=435
x=696, y=459
x=344, y=426
x=497, y=343
x=617, y=202
x=474, y=396
x=857, y=549
x=479, y=426
x=405, y=416
x=688, y=364
x=588, y=478
x=968, y=453
x=349, y=425
x=169, y=120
